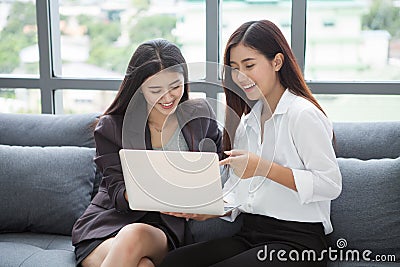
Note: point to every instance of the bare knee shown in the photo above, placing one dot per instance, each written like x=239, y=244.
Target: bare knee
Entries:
x=91, y=261
x=131, y=235
x=142, y=241
x=146, y=262
x=133, y=230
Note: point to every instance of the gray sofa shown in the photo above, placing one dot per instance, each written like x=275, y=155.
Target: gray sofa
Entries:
x=48, y=178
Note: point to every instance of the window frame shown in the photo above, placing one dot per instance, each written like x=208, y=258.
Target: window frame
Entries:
x=49, y=80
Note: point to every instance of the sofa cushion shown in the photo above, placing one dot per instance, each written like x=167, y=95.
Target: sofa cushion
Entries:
x=367, y=140
x=44, y=189
x=366, y=214
x=29, y=249
x=42, y=241
x=47, y=130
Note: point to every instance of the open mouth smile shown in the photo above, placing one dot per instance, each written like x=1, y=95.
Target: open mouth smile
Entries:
x=167, y=105
x=249, y=87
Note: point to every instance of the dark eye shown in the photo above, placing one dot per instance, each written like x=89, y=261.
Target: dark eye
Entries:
x=176, y=87
x=156, y=92
x=249, y=66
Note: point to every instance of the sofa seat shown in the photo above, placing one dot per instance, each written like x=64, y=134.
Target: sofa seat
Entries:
x=36, y=250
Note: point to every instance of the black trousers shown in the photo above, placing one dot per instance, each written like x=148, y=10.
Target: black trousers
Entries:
x=258, y=243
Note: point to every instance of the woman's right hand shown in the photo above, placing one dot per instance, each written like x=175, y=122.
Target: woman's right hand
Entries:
x=246, y=164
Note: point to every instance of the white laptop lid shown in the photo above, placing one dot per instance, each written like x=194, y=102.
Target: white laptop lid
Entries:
x=172, y=181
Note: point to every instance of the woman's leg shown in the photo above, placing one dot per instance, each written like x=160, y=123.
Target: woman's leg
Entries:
x=96, y=257
x=204, y=253
x=135, y=245
x=232, y=252
x=270, y=255
x=146, y=262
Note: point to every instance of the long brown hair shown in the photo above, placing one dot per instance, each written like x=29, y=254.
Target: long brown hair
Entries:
x=265, y=37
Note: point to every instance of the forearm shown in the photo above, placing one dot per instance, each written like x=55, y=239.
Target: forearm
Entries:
x=116, y=190
x=277, y=173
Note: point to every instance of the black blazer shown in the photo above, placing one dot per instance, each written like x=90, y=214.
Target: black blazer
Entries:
x=109, y=211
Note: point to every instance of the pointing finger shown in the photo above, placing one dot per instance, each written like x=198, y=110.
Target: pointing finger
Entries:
x=225, y=161
x=237, y=152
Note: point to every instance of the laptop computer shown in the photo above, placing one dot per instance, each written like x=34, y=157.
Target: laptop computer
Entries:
x=173, y=181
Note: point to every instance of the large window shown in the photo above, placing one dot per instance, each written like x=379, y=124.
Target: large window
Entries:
x=234, y=13
x=19, y=53
x=348, y=108
x=98, y=37
x=69, y=56
x=20, y=100
x=353, y=41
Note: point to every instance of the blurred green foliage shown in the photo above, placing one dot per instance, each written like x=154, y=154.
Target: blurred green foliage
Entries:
x=383, y=15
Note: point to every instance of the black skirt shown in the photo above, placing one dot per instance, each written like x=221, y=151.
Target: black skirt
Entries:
x=84, y=248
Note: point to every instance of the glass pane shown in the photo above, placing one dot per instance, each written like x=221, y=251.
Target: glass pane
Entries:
x=19, y=52
x=99, y=37
x=84, y=101
x=346, y=108
x=235, y=13
x=221, y=107
x=20, y=100
x=194, y=95
x=361, y=107
x=353, y=40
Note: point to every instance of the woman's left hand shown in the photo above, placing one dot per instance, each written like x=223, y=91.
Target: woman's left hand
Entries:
x=246, y=164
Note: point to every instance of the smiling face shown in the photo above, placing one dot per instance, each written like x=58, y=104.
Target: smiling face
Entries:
x=163, y=91
x=253, y=72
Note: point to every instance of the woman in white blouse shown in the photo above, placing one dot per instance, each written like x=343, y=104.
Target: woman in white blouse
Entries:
x=282, y=169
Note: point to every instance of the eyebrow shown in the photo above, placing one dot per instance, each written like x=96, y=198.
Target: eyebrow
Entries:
x=157, y=86
x=243, y=61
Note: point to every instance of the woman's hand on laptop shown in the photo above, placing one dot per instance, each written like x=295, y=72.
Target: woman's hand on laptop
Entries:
x=246, y=164
x=187, y=216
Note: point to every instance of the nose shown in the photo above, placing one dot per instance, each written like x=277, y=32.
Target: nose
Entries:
x=168, y=97
x=241, y=77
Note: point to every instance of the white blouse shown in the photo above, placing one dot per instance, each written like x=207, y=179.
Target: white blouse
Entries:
x=297, y=136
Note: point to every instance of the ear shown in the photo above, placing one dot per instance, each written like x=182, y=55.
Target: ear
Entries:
x=278, y=61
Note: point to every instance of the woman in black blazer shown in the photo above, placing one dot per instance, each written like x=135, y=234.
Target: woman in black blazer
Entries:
x=150, y=111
